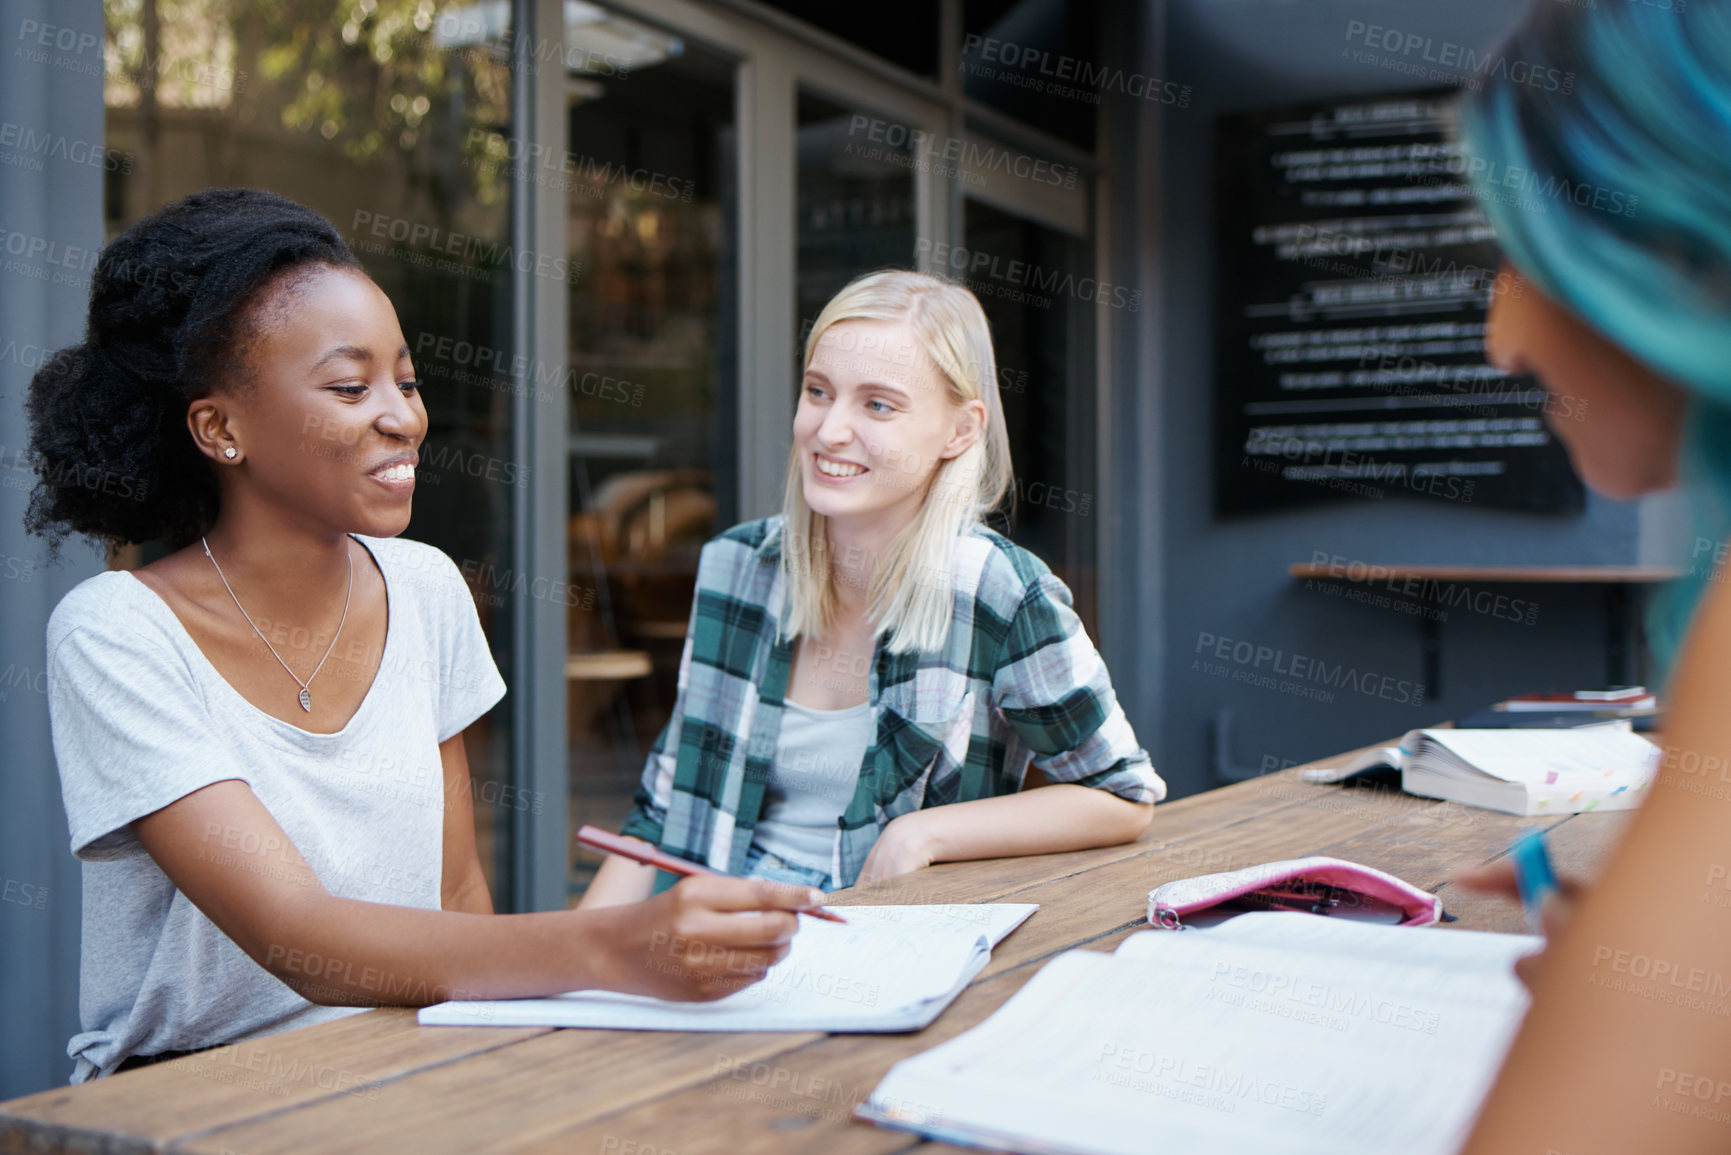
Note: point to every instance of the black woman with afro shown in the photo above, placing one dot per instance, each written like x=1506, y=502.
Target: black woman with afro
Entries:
x=260, y=735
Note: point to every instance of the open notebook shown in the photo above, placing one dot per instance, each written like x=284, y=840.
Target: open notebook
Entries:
x=1275, y=1032
x=890, y=968
x=1527, y=772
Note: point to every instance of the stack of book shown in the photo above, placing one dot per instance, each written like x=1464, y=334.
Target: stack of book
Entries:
x=1527, y=772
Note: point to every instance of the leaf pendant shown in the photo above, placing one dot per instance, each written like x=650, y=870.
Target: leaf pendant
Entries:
x=306, y=699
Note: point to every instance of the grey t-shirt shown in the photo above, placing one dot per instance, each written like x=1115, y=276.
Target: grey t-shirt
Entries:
x=141, y=718
x=811, y=780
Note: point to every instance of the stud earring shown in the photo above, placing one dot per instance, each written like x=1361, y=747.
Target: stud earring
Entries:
x=229, y=453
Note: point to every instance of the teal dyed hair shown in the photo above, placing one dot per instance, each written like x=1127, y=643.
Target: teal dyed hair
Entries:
x=1607, y=176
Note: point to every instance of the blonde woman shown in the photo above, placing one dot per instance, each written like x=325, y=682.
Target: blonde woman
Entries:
x=868, y=675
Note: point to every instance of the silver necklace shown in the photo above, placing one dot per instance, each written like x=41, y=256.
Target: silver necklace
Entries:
x=306, y=694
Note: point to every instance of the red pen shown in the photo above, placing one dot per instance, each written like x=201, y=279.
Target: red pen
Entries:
x=642, y=852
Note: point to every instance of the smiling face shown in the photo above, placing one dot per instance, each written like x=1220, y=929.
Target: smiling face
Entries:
x=875, y=421
x=327, y=424
x=1621, y=422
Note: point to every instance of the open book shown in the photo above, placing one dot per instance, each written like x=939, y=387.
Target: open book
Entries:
x=1527, y=772
x=1275, y=1032
x=890, y=968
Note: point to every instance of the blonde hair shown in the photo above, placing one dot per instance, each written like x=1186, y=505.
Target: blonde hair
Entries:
x=908, y=592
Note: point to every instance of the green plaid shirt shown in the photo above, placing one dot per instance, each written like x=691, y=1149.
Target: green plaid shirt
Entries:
x=1016, y=680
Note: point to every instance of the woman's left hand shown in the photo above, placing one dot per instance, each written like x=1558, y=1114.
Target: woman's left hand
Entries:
x=903, y=846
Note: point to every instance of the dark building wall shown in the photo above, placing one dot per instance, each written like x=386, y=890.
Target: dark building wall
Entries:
x=1227, y=578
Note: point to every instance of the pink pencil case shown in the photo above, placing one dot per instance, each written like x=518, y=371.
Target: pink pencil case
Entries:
x=1315, y=885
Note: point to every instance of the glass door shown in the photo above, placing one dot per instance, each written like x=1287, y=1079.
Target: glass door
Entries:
x=651, y=377
x=1043, y=334
x=385, y=121
x=718, y=195
x=856, y=201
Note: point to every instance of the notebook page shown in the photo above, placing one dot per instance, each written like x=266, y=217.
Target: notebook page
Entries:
x=995, y=920
x=1200, y=1043
x=884, y=961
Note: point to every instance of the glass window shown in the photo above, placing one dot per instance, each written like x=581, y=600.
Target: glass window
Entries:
x=380, y=116
x=652, y=174
x=906, y=35
x=856, y=202
x=1043, y=335
x=1040, y=62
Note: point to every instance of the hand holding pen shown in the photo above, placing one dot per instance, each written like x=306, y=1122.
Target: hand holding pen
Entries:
x=706, y=937
x=642, y=852
x=1525, y=873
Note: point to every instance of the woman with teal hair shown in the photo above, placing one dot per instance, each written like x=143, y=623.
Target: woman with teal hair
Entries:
x=1612, y=201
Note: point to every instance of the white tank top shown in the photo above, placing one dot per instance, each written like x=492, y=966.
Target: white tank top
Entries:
x=811, y=781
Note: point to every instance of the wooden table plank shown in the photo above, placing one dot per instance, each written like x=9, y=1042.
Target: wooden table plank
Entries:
x=1428, y=846
x=1578, y=846
x=796, y=1102
x=112, y=1104
x=1080, y=908
x=376, y=1081
x=547, y=1085
x=538, y=1088
x=148, y=1108
x=807, y=1113
x=802, y=1101
x=558, y=1083
x=987, y=881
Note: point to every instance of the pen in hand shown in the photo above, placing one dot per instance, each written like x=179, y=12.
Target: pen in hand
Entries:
x=642, y=852
x=1534, y=877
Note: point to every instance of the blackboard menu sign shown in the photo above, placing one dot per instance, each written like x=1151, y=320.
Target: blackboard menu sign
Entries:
x=1354, y=271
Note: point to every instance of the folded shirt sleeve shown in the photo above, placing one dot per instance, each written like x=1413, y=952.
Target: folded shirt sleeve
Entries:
x=469, y=683
x=131, y=733
x=1053, y=689
x=648, y=818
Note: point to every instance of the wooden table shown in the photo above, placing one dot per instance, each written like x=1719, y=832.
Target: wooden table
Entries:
x=376, y=1082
